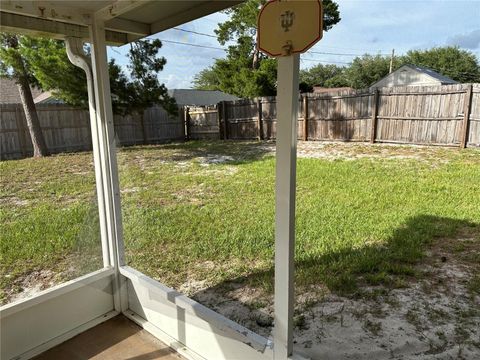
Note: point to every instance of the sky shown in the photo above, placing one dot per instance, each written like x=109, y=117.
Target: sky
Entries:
x=374, y=27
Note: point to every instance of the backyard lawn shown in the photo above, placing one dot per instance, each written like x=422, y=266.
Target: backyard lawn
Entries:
x=199, y=217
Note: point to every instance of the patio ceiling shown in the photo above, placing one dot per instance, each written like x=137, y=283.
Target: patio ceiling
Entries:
x=125, y=21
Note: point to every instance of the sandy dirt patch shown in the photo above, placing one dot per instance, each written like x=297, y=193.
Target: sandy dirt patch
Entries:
x=32, y=283
x=422, y=321
x=433, y=318
x=352, y=151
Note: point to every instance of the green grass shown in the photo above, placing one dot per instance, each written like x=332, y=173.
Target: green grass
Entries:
x=363, y=221
x=48, y=220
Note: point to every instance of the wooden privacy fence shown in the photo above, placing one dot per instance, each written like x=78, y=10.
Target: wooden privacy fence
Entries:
x=435, y=115
x=67, y=129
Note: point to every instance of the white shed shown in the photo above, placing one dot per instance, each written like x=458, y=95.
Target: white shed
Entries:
x=413, y=75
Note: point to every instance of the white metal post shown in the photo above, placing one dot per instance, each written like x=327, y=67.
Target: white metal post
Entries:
x=77, y=57
x=286, y=157
x=107, y=149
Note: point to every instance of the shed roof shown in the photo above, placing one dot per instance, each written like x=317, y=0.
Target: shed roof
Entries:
x=199, y=97
x=437, y=76
x=443, y=80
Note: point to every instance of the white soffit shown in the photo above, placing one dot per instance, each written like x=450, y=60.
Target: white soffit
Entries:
x=125, y=20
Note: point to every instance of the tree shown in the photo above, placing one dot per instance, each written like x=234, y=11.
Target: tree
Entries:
x=339, y=80
x=245, y=72
x=243, y=22
x=13, y=66
x=142, y=89
x=459, y=65
x=53, y=70
x=235, y=76
x=207, y=79
x=321, y=75
x=361, y=73
x=367, y=69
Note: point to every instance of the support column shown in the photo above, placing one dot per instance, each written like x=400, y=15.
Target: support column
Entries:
x=107, y=149
x=286, y=156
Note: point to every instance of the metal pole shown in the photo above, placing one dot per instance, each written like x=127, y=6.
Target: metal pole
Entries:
x=391, y=61
x=286, y=156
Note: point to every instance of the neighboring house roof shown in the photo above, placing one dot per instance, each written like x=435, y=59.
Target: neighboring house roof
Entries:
x=47, y=98
x=417, y=75
x=199, y=97
x=9, y=93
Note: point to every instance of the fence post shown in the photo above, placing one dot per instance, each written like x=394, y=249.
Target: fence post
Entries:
x=305, y=117
x=373, y=134
x=187, y=122
x=259, y=119
x=224, y=116
x=467, y=108
x=219, y=119
x=181, y=119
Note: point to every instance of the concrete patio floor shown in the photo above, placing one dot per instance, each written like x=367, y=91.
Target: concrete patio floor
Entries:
x=115, y=339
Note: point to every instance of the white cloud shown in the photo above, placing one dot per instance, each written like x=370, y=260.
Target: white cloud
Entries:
x=173, y=81
x=469, y=40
